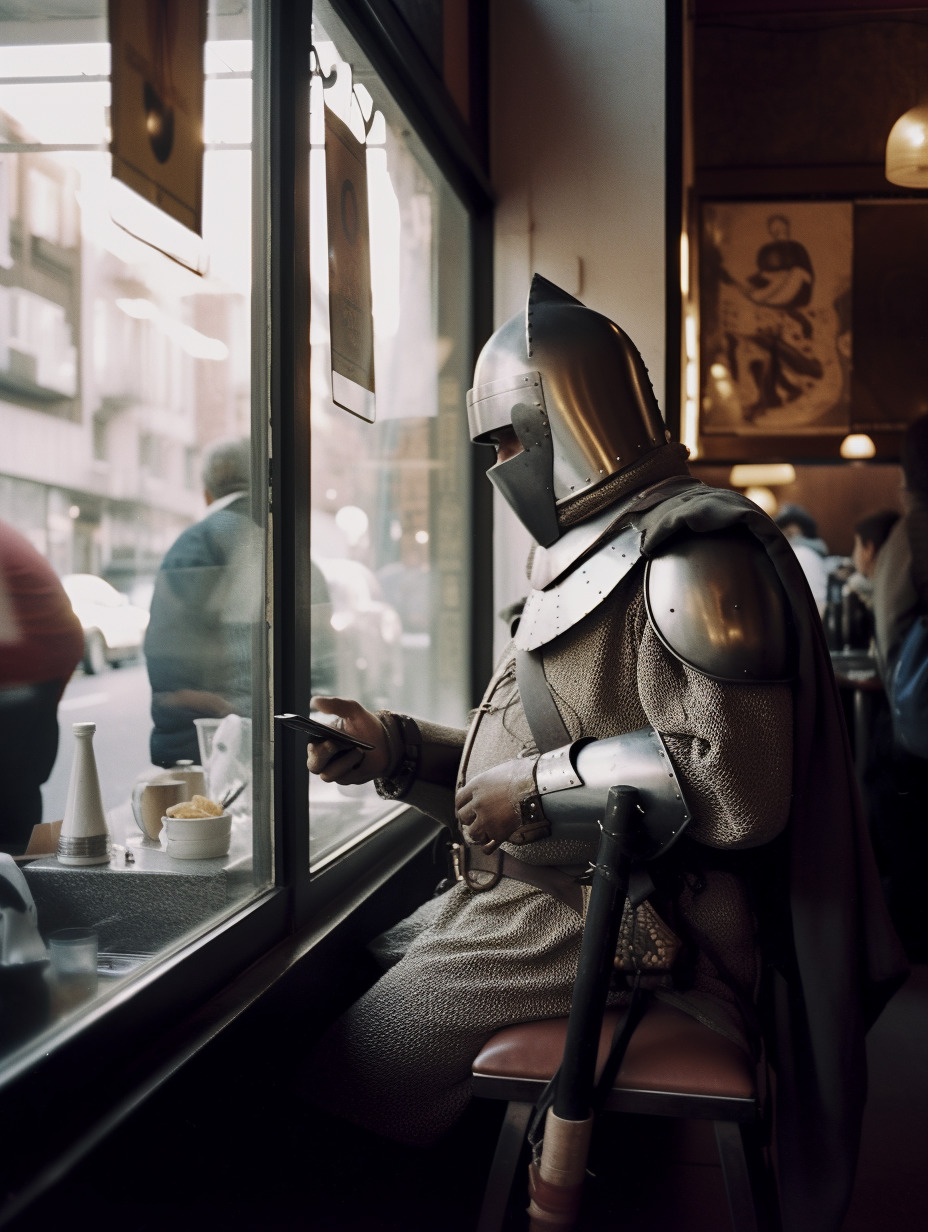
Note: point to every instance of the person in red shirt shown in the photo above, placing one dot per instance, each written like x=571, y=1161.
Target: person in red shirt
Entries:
x=41, y=642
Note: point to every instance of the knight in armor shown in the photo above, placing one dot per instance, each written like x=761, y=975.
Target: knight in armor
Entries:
x=668, y=641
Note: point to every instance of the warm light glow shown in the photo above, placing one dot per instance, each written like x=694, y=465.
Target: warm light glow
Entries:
x=764, y=499
x=857, y=445
x=907, y=149
x=690, y=435
x=761, y=474
x=690, y=336
x=692, y=379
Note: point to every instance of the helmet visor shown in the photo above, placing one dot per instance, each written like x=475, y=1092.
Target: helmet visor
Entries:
x=490, y=406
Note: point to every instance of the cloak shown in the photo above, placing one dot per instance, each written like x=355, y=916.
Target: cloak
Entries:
x=831, y=957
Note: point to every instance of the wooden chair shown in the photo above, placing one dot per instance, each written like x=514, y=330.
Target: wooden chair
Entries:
x=674, y=1067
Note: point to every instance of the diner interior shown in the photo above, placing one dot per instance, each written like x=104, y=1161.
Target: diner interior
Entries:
x=647, y=157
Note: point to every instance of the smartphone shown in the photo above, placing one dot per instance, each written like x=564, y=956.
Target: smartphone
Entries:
x=321, y=731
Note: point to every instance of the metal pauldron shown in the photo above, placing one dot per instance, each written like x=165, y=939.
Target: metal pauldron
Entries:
x=573, y=783
x=716, y=603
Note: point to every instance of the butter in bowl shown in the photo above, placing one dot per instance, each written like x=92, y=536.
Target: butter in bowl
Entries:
x=197, y=829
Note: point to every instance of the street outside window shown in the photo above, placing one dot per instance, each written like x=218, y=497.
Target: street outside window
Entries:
x=131, y=534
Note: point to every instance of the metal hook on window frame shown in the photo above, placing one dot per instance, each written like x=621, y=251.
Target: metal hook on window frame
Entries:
x=315, y=69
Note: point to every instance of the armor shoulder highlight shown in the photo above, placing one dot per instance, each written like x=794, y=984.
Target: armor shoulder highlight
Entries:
x=717, y=604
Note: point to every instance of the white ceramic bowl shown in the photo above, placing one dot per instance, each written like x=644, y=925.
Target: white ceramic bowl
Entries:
x=197, y=838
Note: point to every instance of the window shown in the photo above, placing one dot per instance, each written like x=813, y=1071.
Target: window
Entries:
x=389, y=531
x=125, y=416
x=45, y=211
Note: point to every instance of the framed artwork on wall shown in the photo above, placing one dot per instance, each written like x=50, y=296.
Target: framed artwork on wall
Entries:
x=775, y=307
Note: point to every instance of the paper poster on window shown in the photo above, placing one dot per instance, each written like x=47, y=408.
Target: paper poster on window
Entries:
x=157, y=102
x=350, y=317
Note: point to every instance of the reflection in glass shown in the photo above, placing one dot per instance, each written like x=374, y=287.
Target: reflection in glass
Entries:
x=389, y=531
x=125, y=412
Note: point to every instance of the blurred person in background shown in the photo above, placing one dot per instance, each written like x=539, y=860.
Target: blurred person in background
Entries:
x=849, y=616
x=41, y=643
x=870, y=533
x=800, y=528
x=206, y=599
x=897, y=782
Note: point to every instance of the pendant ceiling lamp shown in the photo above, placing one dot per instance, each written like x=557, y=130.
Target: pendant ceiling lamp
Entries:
x=857, y=445
x=907, y=149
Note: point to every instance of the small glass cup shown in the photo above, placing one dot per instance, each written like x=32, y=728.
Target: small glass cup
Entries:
x=73, y=953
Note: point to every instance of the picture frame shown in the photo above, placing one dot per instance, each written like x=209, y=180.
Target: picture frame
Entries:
x=776, y=318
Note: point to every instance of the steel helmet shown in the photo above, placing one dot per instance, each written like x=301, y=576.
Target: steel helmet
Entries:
x=576, y=392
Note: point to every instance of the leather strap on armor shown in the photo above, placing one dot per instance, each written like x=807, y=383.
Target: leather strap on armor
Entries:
x=544, y=719
x=469, y=860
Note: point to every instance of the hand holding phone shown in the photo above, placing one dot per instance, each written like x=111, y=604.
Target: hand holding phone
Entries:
x=355, y=752
x=316, y=731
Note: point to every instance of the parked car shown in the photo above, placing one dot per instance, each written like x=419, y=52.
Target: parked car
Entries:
x=113, y=627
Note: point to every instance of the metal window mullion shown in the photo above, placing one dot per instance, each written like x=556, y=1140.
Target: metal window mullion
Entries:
x=288, y=28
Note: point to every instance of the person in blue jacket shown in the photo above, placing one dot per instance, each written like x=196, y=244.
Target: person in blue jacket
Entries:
x=206, y=599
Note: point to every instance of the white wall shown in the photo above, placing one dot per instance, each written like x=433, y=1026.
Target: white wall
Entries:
x=577, y=156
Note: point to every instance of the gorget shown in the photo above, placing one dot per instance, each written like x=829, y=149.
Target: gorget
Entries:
x=580, y=570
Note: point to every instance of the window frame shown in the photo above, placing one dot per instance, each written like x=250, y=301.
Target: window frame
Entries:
x=103, y=1065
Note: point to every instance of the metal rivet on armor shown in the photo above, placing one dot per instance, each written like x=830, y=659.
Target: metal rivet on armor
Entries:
x=736, y=606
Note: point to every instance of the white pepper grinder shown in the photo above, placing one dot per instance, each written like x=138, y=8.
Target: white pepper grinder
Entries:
x=84, y=837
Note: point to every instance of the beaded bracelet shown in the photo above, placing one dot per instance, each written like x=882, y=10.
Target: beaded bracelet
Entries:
x=402, y=777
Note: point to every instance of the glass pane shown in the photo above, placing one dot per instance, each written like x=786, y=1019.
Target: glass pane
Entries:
x=389, y=531
x=132, y=567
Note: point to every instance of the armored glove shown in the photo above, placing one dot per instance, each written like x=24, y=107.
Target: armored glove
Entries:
x=493, y=805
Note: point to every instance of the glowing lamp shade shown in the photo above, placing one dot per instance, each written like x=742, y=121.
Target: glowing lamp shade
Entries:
x=764, y=498
x=761, y=474
x=857, y=445
x=907, y=149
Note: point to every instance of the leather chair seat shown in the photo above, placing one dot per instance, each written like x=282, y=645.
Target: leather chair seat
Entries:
x=674, y=1067
x=669, y=1051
